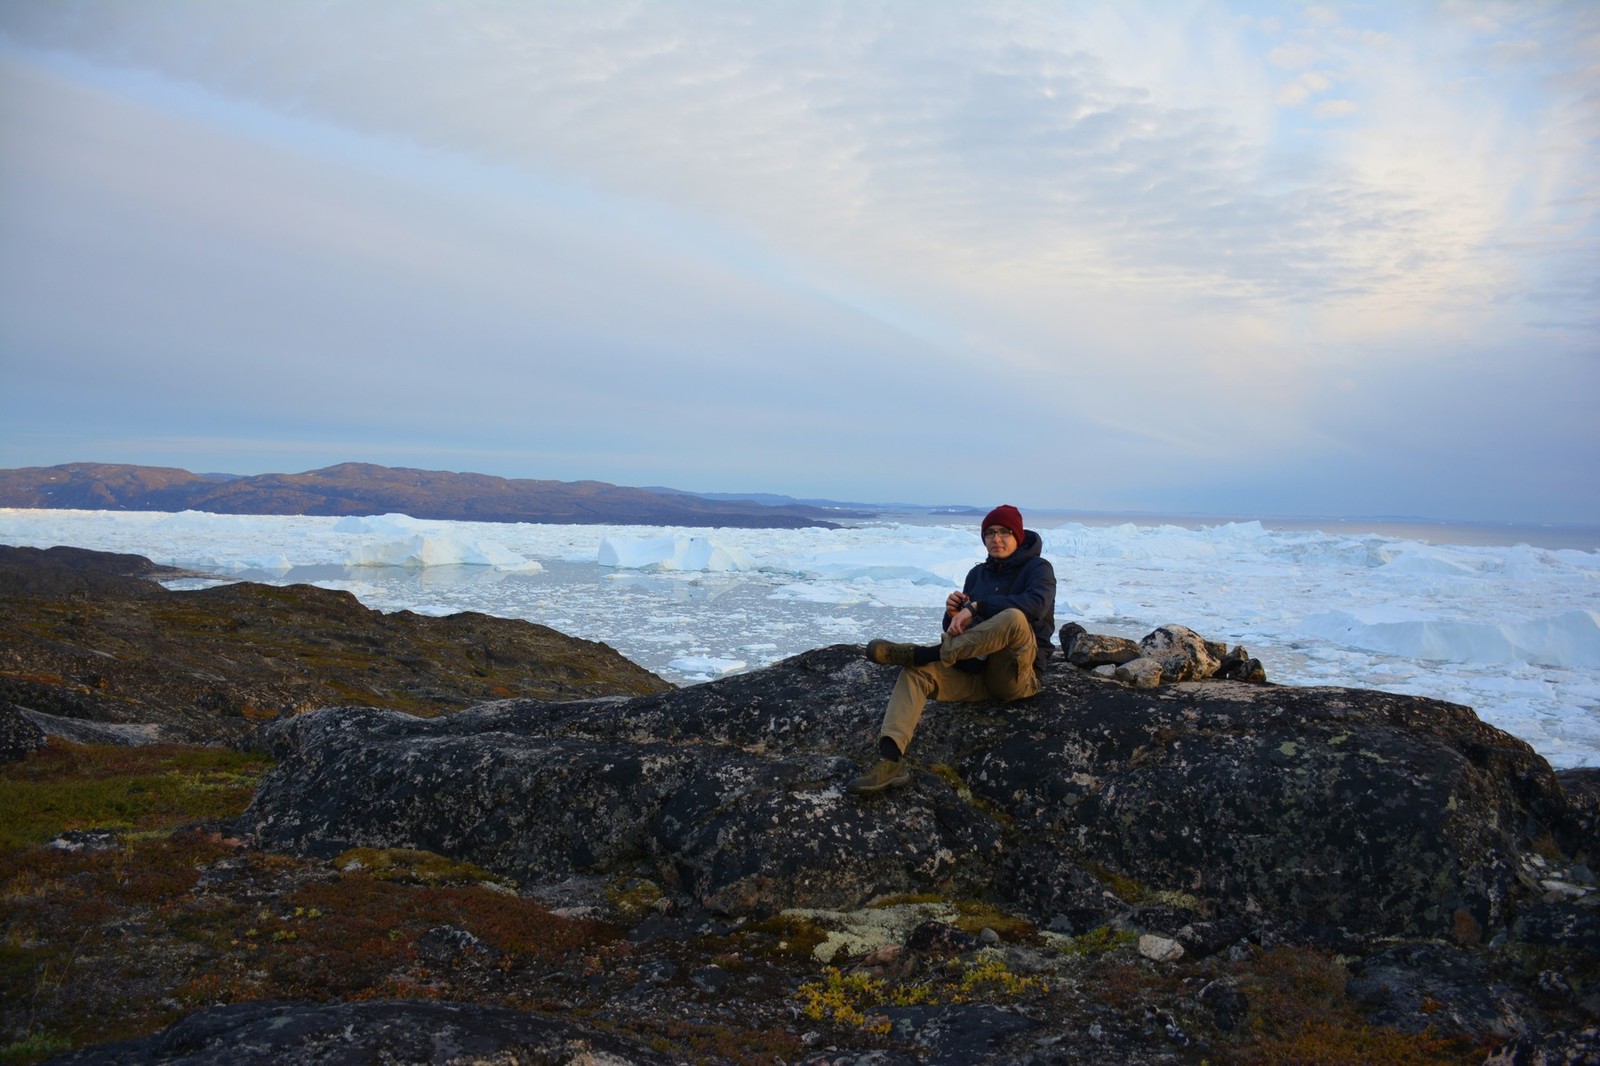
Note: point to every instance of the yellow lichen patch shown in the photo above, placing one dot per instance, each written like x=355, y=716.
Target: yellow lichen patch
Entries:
x=851, y=999
x=857, y=933
x=891, y=919
x=844, y=999
x=989, y=978
x=1168, y=898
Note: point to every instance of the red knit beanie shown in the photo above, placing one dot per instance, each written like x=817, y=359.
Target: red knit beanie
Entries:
x=1004, y=515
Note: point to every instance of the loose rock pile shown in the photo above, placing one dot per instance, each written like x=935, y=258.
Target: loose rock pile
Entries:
x=1169, y=654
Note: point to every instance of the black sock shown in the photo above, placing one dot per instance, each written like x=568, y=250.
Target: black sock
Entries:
x=889, y=749
x=925, y=655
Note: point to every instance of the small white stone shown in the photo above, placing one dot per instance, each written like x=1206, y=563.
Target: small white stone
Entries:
x=1141, y=673
x=1160, y=948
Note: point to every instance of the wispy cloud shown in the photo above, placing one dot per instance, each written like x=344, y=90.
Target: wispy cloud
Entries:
x=1164, y=227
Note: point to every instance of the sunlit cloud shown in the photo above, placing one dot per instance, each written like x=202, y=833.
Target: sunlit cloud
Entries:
x=705, y=234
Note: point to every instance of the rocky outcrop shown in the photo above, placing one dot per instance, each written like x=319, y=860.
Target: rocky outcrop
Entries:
x=1166, y=655
x=88, y=639
x=19, y=737
x=396, y=1032
x=1200, y=820
x=1375, y=813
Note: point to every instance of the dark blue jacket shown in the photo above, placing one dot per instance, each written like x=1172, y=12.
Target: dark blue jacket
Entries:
x=1024, y=580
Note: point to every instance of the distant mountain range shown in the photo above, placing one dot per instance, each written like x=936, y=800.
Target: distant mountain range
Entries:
x=366, y=489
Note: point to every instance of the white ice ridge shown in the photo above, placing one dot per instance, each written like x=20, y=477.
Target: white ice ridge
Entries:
x=400, y=540
x=1571, y=638
x=673, y=552
x=705, y=667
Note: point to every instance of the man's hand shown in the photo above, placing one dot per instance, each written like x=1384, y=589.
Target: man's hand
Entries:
x=959, y=623
x=954, y=602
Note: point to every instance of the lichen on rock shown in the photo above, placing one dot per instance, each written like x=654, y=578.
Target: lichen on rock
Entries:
x=1386, y=814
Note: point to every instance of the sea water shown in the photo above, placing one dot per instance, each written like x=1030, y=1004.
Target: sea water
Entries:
x=1505, y=620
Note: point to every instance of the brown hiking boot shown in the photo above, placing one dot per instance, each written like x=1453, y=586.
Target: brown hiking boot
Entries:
x=887, y=774
x=886, y=653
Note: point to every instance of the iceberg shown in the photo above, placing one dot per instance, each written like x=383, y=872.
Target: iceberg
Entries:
x=673, y=552
x=400, y=540
x=1426, y=561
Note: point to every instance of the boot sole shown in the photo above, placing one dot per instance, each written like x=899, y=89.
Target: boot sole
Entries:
x=882, y=652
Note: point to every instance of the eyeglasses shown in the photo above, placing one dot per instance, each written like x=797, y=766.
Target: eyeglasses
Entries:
x=998, y=531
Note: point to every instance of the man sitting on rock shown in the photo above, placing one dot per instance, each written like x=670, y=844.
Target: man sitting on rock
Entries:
x=997, y=633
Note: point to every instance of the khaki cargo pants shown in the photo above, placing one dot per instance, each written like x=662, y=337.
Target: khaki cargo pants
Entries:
x=1007, y=639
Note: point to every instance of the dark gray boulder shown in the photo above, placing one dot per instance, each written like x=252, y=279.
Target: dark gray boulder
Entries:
x=390, y=1032
x=1090, y=650
x=1377, y=813
x=1579, y=1047
x=1582, y=787
x=20, y=736
x=1421, y=987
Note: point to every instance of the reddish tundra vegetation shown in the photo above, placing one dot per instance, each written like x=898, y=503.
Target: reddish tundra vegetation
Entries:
x=638, y=874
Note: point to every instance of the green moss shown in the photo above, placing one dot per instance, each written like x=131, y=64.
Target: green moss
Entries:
x=634, y=897
x=33, y=1048
x=784, y=936
x=1123, y=887
x=950, y=776
x=149, y=789
x=410, y=866
x=947, y=773
x=1098, y=941
x=975, y=917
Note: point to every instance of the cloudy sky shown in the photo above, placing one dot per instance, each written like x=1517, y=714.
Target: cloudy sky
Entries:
x=1176, y=255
